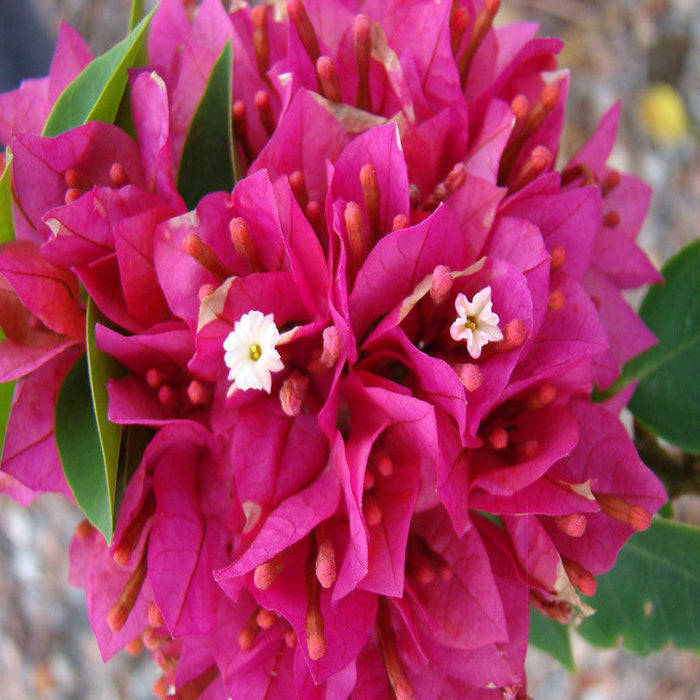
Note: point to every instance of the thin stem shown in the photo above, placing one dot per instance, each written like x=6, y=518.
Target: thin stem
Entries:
x=679, y=472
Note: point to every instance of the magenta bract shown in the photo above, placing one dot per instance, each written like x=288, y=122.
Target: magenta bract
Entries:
x=367, y=369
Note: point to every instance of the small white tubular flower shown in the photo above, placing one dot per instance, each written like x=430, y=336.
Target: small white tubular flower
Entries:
x=476, y=322
x=250, y=351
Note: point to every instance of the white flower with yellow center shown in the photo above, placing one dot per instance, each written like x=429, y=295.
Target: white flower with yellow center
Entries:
x=476, y=322
x=250, y=351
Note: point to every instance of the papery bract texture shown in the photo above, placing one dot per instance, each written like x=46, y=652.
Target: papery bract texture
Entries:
x=364, y=373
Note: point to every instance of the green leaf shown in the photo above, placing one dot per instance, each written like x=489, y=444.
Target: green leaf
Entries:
x=135, y=439
x=88, y=444
x=102, y=367
x=96, y=93
x=666, y=397
x=652, y=595
x=7, y=220
x=208, y=163
x=137, y=13
x=7, y=390
x=79, y=448
x=552, y=637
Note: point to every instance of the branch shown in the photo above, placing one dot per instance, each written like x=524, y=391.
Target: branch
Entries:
x=679, y=472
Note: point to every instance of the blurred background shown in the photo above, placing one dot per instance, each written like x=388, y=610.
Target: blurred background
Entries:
x=645, y=53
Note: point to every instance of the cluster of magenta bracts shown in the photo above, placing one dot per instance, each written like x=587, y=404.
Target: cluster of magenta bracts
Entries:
x=365, y=499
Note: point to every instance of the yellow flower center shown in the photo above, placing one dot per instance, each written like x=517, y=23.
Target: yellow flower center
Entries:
x=470, y=323
x=255, y=352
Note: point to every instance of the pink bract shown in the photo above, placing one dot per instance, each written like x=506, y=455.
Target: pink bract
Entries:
x=377, y=524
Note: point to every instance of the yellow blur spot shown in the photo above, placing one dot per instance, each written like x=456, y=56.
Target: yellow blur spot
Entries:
x=663, y=113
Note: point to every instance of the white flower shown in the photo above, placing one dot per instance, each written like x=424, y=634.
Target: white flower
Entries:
x=250, y=351
x=476, y=322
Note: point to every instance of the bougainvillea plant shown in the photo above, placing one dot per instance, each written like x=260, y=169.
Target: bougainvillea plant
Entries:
x=299, y=309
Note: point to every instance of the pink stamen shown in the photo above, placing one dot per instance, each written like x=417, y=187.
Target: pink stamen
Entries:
x=482, y=24
x=298, y=186
x=459, y=21
x=549, y=97
x=332, y=346
x=305, y=30
x=558, y=256
x=195, y=247
x=84, y=530
x=72, y=194
x=357, y=234
x=540, y=159
x=470, y=376
x=371, y=509
x=514, y=335
x=240, y=128
x=573, y=525
x=541, y=397
x=197, y=393
x=244, y=243
x=193, y=689
x=498, y=438
x=131, y=535
x=363, y=53
x=329, y=79
x=441, y=285
x=610, y=182
x=266, y=573
x=167, y=396
x=246, y=637
x=293, y=392
x=611, y=219
x=118, y=175
x=633, y=515
x=326, y=571
x=134, y=647
x=264, y=107
x=556, y=301
x=154, y=640
x=400, y=221
x=119, y=612
x=580, y=577
x=261, y=40
x=372, y=197
x=265, y=618
x=315, y=635
x=155, y=618
x=392, y=662
x=74, y=179
x=206, y=290
x=154, y=378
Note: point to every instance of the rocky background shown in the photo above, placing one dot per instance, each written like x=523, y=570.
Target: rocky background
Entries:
x=617, y=49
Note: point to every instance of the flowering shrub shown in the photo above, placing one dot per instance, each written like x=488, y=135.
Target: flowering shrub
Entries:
x=359, y=378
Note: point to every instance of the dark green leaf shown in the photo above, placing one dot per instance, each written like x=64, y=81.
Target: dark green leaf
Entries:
x=7, y=220
x=89, y=445
x=137, y=13
x=102, y=367
x=6, y=391
x=652, y=595
x=135, y=439
x=79, y=448
x=95, y=95
x=666, y=397
x=553, y=638
x=208, y=162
